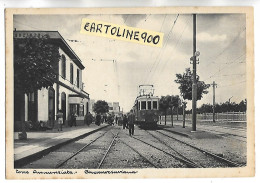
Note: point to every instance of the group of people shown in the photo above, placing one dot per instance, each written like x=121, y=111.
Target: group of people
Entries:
x=128, y=121
x=73, y=122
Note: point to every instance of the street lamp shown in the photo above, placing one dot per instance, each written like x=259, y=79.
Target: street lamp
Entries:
x=194, y=61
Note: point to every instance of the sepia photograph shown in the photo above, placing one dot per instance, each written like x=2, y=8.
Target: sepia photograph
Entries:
x=123, y=92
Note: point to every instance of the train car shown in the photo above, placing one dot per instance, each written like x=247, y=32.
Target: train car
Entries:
x=146, y=110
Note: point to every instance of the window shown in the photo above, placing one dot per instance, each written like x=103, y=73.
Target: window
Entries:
x=143, y=105
x=71, y=73
x=63, y=66
x=78, y=78
x=81, y=110
x=149, y=105
x=77, y=108
x=154, y=104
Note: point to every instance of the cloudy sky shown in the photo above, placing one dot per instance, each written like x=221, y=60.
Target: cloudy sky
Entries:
x=220, y=40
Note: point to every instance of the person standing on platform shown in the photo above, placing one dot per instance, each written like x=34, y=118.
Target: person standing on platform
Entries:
x=98, y=119
x=131, y=120
x=60, y=120
x=73, y=119
x=124, y=122
x=89, y=118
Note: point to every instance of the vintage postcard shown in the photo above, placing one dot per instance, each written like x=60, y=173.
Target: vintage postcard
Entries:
x=130, y=93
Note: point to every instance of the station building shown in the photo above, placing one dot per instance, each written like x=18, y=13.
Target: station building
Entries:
x=67, y=92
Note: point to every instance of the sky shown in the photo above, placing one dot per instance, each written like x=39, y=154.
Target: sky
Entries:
x=221, y=41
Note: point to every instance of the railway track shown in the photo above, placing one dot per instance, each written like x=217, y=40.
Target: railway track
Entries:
x=103, y=162
x=228, y=135
x=219, y=133
x=80, y=150
x=179, y=153
x=218, y=160
x=188, y=163
x=108, y=149
x=140, y=154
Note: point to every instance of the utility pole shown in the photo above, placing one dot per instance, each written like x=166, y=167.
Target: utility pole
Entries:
x=194, y=84
x=214, y=85
x=183, y=108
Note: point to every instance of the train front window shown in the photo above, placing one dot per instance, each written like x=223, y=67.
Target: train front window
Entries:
x=143, y=105
x=154, y=104
x=149, y=105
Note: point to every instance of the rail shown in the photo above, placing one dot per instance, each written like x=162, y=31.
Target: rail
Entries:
x=170, y=154
x=204, y=151
x=108, y=149
x=81, y=149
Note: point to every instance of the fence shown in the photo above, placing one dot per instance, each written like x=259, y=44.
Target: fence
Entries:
x=227, y=116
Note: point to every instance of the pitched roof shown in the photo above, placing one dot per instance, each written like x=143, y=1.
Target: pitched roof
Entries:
x=56, y=38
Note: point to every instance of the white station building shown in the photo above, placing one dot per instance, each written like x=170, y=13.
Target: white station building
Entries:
x=66, y=93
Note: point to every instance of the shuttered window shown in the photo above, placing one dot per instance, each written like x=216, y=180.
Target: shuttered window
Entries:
x=63, y=66
x=71, y=73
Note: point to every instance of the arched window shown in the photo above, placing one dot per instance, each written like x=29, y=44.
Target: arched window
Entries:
x=71, y=73
x=63, y=66
x=78, y=78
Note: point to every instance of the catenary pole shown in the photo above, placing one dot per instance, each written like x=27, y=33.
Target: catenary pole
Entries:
x=213, y=107
x=194, y=84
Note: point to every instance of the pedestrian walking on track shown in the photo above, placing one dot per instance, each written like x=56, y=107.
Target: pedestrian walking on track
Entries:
x=124, y=122
x=131, y=120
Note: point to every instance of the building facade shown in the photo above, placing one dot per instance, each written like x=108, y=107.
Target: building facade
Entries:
x=114, y=108
x=66, y=94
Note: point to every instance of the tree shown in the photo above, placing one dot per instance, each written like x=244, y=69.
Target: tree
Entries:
x=167, y=102
x=242, y=105
x=174, y=102
x=185, y=80
x=164, y=105
x=101, y=106
x=35, y=64
x=224, y=107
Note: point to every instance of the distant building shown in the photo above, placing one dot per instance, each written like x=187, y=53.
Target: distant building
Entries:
x=114, y=107
x=110, y=107
x=66, y=93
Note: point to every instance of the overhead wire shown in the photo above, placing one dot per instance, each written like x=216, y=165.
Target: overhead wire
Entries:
x=220, y=86
x=225, y=67
x=213, y=58
x=141, y=79
x=162, y=50
x=174, y=48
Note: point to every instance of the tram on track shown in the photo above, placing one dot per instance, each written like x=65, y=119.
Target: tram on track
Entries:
x=146, y=107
